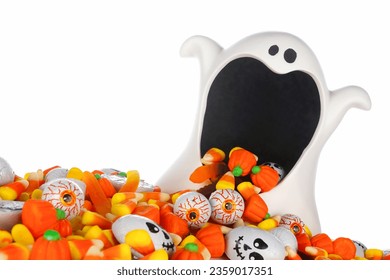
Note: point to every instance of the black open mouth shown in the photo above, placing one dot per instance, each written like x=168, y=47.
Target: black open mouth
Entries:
x=272, y=115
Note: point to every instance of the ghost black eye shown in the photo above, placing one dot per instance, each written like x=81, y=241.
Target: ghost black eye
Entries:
x=255, y=256
x=152, y=228
x=273, y=50
x=259, y=244
x=290, y=55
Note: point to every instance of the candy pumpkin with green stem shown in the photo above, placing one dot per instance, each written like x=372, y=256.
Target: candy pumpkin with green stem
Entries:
x=50, y=246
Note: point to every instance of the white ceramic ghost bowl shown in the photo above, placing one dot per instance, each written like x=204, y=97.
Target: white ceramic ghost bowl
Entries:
x=267, y=94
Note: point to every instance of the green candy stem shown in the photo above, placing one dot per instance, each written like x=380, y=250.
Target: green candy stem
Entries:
x=237, y=171
x=256, y=169
x=52, y=235
x=192, y=247
x=60, y=214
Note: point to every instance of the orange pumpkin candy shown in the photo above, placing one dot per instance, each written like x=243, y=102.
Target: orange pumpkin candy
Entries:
x=190, y=251
x=323, y=241
x=212, y=237
x=255, y=209
x=264, y=177
x=38, y=216
x=241, y=161
x=63, y=225
x=50, y=246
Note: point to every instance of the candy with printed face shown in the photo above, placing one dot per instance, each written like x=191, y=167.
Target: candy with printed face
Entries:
x=130, y=224
x=65, y=194
x=7, y=174
x=286, y=237
x=227, y=206
x=360, y=248
x=252, y=243
x=193, y=207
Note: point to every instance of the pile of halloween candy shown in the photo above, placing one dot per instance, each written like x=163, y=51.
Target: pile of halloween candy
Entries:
x=71, y=214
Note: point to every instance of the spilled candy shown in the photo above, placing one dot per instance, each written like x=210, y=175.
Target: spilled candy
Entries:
x=108, y=214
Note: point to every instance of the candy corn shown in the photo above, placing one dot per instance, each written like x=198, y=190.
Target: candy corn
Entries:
x=159, y=254
x=227, y=181
x=118, y=252
x=14, y=251
x=292, y=254
x=373, y=254
x=132, y=182
x=80, y=248
x=90, y=218
x=5, y=238
x=140, y=241
x=213, y=155
x=22, y=235
x=101, y=203
x=123, y=208
x=13, y=190
x=122, y=196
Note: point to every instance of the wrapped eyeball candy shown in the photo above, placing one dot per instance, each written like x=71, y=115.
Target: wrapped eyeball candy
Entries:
x=193, y=207
x=65, y=194
x=227, y=206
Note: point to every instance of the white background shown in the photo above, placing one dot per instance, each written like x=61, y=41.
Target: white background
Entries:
x=98, y=84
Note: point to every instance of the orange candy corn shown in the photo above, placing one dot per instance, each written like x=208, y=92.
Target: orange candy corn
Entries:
x=35, y=180
x=101, y=203
x=13, y=190
x=123, y=208
x=373, y=254
x=292, y=254
x=118, y=252
x=174, y=224
x=227, y=181
x=106, y=186
x=132, y=182
x=90, y=218
x=206, y=172
x=316, y=252
x=122, y=196
x=5, y=238
x=159, y=254
x=140, y=241
x=95, y=232
x=246, y=189
x=80, y=248
x=213, y=155
x=14, y=251
x=149, y=211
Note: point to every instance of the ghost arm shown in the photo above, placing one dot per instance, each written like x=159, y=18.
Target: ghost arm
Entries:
x=341, y=101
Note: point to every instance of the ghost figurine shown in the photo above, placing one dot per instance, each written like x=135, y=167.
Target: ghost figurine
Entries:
x=252, y=243
x=267, y=94
x=131, y=223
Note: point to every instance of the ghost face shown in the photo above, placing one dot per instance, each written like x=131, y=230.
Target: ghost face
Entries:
x=250, y=243
x=160, y=238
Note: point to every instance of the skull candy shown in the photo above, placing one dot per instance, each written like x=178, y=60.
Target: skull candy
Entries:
x=250, y=243
x=128, y=224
